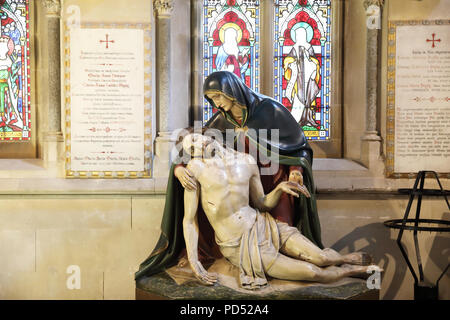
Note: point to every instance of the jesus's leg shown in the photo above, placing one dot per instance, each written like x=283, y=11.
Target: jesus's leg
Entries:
x=292, y=269
x=300, y=247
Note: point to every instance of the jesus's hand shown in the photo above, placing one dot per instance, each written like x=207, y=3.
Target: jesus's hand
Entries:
x=201, y=274
x=293, y=188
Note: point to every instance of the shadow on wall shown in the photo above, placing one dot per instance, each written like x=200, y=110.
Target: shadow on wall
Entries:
x=385, y=252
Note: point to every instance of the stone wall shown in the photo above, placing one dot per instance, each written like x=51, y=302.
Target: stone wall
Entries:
x=108, y=236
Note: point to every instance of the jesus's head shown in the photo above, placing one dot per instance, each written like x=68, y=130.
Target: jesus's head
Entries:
x=201, y=146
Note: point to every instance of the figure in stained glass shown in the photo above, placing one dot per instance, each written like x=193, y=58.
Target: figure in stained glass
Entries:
x=229, y=57
x=231, y=41
x=302, y=63
x=14, y=70
x=302, y=71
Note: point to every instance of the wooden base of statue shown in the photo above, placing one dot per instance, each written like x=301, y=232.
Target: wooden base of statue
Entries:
x=179, y=284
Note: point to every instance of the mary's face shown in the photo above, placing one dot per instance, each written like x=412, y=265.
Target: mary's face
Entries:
x=220, y=100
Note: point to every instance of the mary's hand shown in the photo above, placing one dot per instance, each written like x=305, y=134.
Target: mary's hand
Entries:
x=296, y=176
x=186, y=178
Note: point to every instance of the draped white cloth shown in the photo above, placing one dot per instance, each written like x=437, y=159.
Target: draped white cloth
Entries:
x=256, y=249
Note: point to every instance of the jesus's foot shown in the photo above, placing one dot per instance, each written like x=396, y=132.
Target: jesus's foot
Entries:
x=358, y=258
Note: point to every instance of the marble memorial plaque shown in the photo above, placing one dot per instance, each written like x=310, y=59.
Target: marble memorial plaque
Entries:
x=107, y=103
x=418, y=116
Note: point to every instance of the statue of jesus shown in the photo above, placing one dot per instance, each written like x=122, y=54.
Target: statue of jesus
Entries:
x=250, y=238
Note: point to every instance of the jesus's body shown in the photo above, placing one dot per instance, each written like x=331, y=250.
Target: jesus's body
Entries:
x=227, y=184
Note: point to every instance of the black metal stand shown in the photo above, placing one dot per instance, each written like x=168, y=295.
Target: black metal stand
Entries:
x=422, y=289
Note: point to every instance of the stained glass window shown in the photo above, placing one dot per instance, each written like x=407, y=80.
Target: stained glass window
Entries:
x=231, y=41
x=302, y=63
x=14, y=71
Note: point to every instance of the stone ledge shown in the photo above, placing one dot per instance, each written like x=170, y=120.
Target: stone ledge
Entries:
x=323, y=164
x=34, y=176
x=38, y=177
x=62, y=186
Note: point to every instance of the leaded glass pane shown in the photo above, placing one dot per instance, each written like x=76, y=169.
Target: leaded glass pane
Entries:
x=302, y=62
x=231, y=41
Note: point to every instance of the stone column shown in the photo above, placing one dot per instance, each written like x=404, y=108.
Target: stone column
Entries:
x=371, y=140
x=53, y=136
x=196, y=109
x=163, y=10
x=163, y=144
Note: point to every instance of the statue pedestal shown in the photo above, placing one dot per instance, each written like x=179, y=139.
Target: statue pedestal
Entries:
x=163, y=286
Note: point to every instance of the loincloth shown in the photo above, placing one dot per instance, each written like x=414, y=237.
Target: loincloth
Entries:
x=256, y=250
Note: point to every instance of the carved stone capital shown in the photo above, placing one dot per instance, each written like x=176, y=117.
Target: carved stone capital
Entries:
x=53, y=7
x=378, y=3
x=163, y=8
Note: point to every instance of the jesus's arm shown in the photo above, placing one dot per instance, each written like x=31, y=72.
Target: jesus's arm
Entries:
x=268, y=202
x=190, y=229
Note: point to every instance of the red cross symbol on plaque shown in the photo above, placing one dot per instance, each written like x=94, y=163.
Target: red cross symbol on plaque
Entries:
x=107, y=41
x=433, y=40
